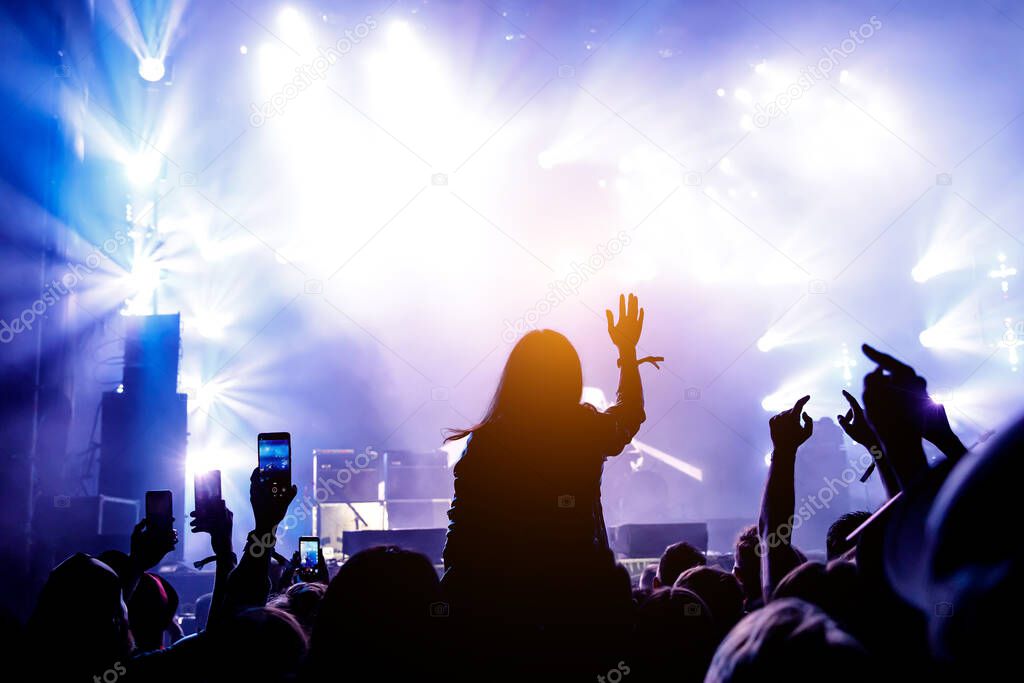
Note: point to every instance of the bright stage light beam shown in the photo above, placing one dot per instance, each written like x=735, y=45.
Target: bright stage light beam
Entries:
x=770, y=340
x=152, y=69
x=143, y=168
x=295, y=31
x=670, y=460
x=932, y=338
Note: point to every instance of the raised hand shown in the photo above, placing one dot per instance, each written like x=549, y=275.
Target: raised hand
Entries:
x=787, y=431
x=268, y=509
x=895, y=399
x=217, y=521
x=899, y=407
x=148, y=546
x=288, y=575
x=856, y=424
x=626, y=333
x=938, y=431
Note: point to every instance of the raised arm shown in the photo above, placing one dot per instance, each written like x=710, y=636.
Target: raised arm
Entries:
x=857, y=427
x=148, y=548
x=621, y=422
x=899, y=409
x=776, y=524
x=249, y=583
x=218, y=522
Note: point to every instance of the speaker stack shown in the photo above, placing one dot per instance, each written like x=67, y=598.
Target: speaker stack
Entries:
x=145, y=422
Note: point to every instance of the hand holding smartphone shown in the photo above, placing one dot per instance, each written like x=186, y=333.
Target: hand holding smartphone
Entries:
x=155, y=536
x=275, y=461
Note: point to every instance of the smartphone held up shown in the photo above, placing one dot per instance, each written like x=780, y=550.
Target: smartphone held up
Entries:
x=208, y=492
x=275, y=461
x=159, y=511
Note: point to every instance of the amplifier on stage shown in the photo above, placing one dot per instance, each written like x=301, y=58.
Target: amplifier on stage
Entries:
x=650, y=540
x=412, y=475
x=343, y=475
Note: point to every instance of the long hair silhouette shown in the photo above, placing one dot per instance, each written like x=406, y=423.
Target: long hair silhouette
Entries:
x=542, y=379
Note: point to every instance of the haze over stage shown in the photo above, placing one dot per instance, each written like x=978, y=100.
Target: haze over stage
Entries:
x=352, y=258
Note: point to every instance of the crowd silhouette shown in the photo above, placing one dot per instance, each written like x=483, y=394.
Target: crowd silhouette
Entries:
x=924, y=588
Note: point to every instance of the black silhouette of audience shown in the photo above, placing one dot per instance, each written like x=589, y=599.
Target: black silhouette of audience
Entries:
x=925, y=588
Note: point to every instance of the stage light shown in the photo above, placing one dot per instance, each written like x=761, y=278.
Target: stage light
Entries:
x=143, y=281
x=201, y=460
x=768, y=459
x=939, y=260
x=675, y=463
x=720, y=92
x=769, y=340
x=761, y=68
x=295, y=31
x=152, y=69
x=206, y=395
x=933, y=338
x=956, y=329
x=242, y=49
x=1003, y=273
x=211, y=325
x=144, y=168
x=399, y=31
x=743, y=95
x=145, y=274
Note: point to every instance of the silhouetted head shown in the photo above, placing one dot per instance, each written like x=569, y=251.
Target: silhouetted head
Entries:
x=835, y=541
x=542, y=378
x=385, y=585
x=674, y=636
x=80, y=624
x=746, y=565
x=302, y=601
x=833, y=588
x=647, y=577
x=150, y=610
x=788, y=640
x=380, y=590
x=719, y=590
x=972, y=565
x=203, y=610
x=258, y=644
x=676, y=559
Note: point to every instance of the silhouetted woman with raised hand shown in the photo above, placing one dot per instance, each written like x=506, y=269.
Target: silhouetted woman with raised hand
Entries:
x=526, y=539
